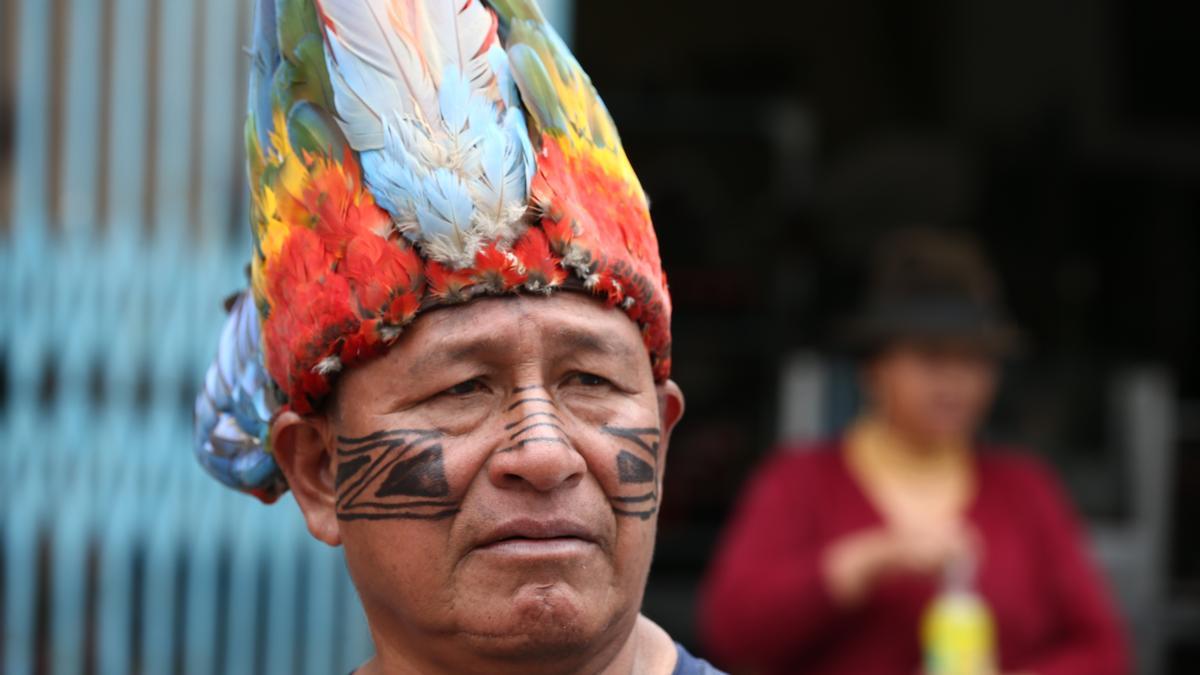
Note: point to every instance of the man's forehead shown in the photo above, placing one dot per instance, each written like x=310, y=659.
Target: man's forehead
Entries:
x=565, y=322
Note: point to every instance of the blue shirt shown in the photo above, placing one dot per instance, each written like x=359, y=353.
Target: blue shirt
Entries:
x=686, y=664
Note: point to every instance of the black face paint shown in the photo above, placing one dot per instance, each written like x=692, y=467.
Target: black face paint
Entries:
x=531, y=399
x=395, y=474
x=551, y=416
x=633, y=469
x=538, y=427
x=637, y=465
x=534, y=439
x=419, y=476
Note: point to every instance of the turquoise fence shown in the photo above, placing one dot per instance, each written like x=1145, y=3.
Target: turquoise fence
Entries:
x=126, y=230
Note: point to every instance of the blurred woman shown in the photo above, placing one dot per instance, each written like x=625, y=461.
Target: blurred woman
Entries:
x=835, y=551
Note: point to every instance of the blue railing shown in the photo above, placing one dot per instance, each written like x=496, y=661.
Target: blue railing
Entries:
x=127, y=229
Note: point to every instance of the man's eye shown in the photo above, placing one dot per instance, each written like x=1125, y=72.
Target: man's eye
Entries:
x=464, y=388
x=589, y=380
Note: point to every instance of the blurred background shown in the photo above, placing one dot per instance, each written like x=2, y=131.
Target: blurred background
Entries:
x=777, y=142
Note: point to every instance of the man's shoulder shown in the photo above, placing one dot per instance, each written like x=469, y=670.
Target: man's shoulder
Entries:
x=686, y=664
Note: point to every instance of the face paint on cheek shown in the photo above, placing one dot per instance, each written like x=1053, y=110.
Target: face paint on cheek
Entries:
x=634, y=472
x=395, y=474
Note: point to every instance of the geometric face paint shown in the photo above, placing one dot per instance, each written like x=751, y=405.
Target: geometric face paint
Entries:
x=395, y=474
x=637, y=468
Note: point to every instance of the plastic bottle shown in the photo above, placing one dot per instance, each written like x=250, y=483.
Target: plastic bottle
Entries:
x=957, y=631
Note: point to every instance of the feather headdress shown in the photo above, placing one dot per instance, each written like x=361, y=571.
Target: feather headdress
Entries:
x=404, y=154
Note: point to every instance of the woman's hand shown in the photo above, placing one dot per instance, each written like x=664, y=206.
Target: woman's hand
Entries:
x=928, y=549
x=855, y=563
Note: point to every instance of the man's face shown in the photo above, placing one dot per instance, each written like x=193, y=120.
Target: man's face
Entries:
x=497, y=475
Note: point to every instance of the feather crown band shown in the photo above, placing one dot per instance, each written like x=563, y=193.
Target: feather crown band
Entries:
x=404, y=154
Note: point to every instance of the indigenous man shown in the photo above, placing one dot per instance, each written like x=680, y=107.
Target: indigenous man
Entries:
x=428, y=177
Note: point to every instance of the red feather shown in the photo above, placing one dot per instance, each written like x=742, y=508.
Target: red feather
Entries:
x=447, y=285
x=542, y=269
x=496, y=270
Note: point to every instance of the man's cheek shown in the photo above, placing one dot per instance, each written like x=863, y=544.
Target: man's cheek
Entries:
x=634, y=466
x=409, y=577
x=394, y=474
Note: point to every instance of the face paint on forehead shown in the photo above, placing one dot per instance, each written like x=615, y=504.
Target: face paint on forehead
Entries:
x=637, y=470
x=394, y=474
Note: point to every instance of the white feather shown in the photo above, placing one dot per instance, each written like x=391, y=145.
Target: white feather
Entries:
x=425, y=94
x=377, y=63
x=462, y=29
x=363, y=128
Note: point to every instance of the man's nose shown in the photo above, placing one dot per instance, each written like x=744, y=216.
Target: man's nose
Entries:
x=536, y=452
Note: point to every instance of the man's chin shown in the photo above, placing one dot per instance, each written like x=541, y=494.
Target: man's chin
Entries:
x=545, y=621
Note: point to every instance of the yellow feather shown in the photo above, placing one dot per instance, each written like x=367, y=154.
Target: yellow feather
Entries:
x=274, y=231
x=590, y=132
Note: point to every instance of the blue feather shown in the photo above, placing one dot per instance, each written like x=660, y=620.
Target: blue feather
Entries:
x=392, y=183
x=447, y=207
x=492, y=186
x=518, y=130
x=234, y=409
x=498, y=60
x=455, y=101
x=265, y=58
x=503, y=185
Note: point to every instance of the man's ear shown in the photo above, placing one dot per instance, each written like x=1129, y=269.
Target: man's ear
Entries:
x=670, y=410
x=304, y=452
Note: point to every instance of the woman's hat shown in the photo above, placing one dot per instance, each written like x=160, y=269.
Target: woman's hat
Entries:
x=930, y=286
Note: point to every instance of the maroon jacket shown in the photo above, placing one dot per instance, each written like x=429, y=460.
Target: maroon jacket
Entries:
x=765, y=604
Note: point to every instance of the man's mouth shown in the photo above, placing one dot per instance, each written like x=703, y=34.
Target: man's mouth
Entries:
x=530, y=537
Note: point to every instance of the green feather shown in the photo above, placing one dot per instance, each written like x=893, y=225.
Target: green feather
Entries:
x=311, y=129
x=537, y=90
x=309, y=59
x=254, y=158
x=254, y=171
x=286, y=76
x=295, y=20
x=508, y=11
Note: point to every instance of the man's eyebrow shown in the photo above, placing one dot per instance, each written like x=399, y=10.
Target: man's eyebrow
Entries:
x=453, y=351
x=578, y=340
x=566, y=338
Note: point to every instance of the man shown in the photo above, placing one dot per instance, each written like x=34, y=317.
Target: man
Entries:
x=456, y=347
